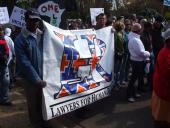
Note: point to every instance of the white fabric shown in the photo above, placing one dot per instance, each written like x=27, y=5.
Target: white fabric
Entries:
x=136, y=48
x=166, y=34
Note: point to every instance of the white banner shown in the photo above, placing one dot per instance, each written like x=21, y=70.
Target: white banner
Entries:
x=51, y=10
x=77, y=66
x=18, y=17
x=167, y=2
x=4, y=17
x=95, y=12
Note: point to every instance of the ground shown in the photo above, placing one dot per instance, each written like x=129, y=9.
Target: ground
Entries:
x=111, y=112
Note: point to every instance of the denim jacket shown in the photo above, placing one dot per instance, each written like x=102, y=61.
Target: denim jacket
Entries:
x=28, y=50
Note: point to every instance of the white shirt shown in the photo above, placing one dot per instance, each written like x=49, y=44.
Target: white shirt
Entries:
x=11, y=47
x=136, y=48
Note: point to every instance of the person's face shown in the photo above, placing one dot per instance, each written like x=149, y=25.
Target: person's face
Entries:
x=102, y=20
x=157, y=24
x=32, y=24
x=128, y=26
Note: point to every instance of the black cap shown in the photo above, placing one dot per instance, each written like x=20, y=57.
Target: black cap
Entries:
x=159, y=18
x=32, y=13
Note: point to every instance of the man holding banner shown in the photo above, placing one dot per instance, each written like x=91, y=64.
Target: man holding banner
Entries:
x=28, y=48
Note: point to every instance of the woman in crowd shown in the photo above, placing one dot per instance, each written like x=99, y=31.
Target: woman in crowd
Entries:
x=161, y=86
x=119, y=50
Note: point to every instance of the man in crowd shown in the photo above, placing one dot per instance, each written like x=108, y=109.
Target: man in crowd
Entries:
x=157, y=39
x=11, y=60
x=4, y=74
x=101, y=21
x=28, y=49
x=137, y=56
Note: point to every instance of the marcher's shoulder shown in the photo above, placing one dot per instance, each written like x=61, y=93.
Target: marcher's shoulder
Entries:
x=19, y=39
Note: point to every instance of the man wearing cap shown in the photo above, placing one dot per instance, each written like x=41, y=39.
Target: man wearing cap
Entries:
x=157, y=39
x=137, y=57
x=28, y=49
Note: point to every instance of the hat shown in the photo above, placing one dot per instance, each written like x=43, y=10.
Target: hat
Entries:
x=7, y=31
x=32, y=14
x=159, y=19
x=166, y=34
x=114, y=18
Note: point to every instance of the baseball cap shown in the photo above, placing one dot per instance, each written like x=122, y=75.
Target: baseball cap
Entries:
x=32, y=13
x=159, y=19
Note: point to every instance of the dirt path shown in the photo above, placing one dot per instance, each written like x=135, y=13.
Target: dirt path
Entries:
x=15, y=116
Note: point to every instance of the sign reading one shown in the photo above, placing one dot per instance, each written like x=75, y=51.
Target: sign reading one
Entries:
x=4, y=17
x=51, y=10
x=17, y=17
x=95, y=12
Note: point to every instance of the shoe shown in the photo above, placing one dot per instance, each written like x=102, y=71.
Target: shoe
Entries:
x=117, y=88
x=142, y=89
x=124, y=82
x=131, y=99
x=137, y=95
x=8, y=103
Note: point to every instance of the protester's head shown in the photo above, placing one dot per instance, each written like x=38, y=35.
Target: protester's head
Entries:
x=101, y=20
x=133, y=17
x=136, y=28
x=119, y=26
x=166, y=36
x=79, y=23
x=158, y=22
x=121, y=18
x=128, y=24
x=32, y=19
x=8, y=31
x=1, y=30
x=114, y=18
x=147, y=26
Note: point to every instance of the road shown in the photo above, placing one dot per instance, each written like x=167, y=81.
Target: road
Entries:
x=111, y=112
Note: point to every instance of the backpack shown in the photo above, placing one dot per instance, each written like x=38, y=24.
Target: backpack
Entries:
x=3, y=58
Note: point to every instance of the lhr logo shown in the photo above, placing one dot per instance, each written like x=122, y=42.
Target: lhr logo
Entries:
x=81, y=56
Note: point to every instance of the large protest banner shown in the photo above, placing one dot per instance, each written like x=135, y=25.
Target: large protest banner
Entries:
x=4, y=17
x=77, y=66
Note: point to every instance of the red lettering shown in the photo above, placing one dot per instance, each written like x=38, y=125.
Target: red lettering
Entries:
x=56, y=8
x=50, y=7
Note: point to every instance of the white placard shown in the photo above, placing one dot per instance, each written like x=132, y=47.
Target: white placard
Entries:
x=18, y=17
x=4, y=17
x=95, y=12
x=166, y=2
x=52, y=10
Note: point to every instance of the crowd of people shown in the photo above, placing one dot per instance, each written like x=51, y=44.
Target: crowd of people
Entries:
x=141, y=51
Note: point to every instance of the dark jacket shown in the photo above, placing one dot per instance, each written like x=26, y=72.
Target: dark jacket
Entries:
x=29, y=56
